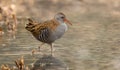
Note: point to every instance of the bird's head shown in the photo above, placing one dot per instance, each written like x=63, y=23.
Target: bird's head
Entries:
x=61, y=18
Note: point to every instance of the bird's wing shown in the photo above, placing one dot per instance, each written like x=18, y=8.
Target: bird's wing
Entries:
x=50, y=25
x=43, y=30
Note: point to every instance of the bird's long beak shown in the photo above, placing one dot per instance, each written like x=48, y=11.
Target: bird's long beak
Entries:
x=65, y=20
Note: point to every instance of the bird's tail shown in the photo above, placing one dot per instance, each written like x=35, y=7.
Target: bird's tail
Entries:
x=30, y=25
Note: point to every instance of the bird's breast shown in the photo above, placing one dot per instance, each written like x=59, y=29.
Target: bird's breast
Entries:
x=59, y=31
x=62, y=28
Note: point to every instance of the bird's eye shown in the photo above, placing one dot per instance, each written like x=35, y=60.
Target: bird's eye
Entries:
x=62, y=17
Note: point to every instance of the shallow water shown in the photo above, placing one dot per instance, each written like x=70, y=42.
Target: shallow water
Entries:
x=91, y=43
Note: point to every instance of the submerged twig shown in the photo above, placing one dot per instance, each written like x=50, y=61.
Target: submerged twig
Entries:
x=20, y=63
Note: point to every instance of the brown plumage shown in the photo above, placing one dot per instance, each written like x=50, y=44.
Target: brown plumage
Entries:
x=48, y=31
x=35, y=26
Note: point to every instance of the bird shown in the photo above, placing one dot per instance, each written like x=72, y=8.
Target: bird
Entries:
x=50, y=30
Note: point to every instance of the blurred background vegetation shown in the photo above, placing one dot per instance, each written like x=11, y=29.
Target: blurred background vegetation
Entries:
x=47, y=8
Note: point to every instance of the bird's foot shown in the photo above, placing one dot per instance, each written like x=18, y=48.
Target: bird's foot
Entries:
x=33, y=52
x=52, y=54
x=38, y=48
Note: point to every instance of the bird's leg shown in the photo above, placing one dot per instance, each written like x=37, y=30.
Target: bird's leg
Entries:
x=41, y=46
x=51, y=45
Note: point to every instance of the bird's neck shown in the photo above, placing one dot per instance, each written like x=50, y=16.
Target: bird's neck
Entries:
x=59, y=21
